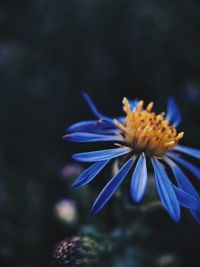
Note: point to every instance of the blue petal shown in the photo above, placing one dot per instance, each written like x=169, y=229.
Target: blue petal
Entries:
x=106, y=131
x=91, y=137
x=139, y=179
x=92, y=105
x=189, y=151
x=166, y=191
x=121, y=119
x=193, y=169
x=89, y=174
x=173, y=113
x=101, y=154
x=186, y=200
x=185, y=184
x=95, y=111
x=181, y=178
x=111, y=187
x=196, y=215
x=83, y=126
x=133, y=103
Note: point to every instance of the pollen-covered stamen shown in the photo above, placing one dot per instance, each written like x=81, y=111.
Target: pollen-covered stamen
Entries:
x=126, y=107
x=149, y=106
x=146, y=131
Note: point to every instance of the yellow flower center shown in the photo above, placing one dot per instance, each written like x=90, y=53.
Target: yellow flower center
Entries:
x=146, y=131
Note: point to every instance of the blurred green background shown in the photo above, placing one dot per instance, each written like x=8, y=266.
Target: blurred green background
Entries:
x=49, y=52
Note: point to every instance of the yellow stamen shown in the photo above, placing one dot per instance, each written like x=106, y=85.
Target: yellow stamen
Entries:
x=126, y=104
x=119, y=125
x=146, y=131
x=149, y=106
x=170, y=143
x=140, y=106
x=180, y=136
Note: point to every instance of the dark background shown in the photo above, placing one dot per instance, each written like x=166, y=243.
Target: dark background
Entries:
x=49, y=52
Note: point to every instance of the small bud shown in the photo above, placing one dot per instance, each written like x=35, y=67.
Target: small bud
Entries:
x=76, y=251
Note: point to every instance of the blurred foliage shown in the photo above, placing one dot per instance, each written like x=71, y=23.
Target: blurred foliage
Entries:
x=49, y=52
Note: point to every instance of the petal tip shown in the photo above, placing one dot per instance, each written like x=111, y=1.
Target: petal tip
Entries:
x=137, y=199
x=74, y=186
x=94, y=211
x=177, y=219
x=75, y=157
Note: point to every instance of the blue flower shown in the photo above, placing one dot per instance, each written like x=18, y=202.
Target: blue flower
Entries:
x=138, y=136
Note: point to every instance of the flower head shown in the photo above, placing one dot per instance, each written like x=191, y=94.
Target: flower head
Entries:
x=145, y=131
x=139, y=136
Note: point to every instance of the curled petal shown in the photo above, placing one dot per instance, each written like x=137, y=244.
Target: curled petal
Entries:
x=98, y=114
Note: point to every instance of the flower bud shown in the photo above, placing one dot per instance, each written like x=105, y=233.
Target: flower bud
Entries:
x=76, y=251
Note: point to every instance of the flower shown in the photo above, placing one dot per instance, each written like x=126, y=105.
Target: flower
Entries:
x=139, y=136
